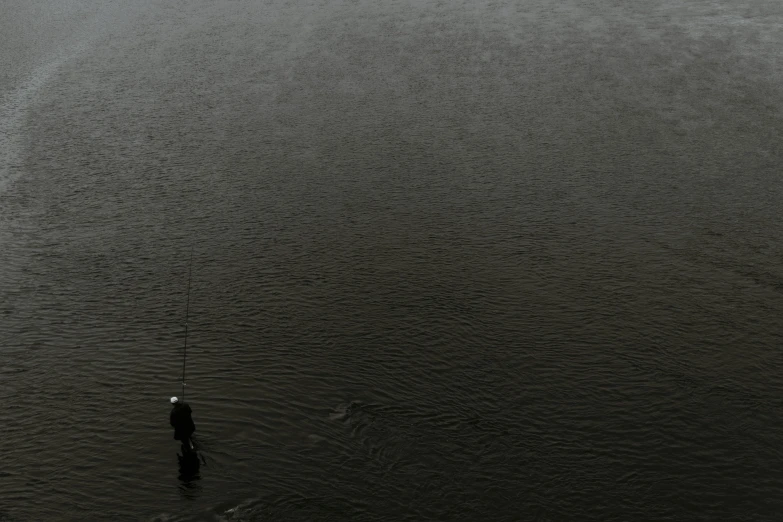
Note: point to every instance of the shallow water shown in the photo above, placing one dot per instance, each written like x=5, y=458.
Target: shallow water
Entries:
x=451, y=261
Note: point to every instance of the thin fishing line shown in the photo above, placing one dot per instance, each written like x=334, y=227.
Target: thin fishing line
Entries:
x=187, y=312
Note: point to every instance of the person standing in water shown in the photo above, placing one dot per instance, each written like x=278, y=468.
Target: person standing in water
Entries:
x=182, y=422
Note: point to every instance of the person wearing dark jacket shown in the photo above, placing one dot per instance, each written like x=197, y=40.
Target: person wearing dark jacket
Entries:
x=182, y=422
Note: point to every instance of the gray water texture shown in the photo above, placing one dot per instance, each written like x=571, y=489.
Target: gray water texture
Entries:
x=454, y=261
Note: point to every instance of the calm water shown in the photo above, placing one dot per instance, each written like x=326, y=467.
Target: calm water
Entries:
x=452, y=260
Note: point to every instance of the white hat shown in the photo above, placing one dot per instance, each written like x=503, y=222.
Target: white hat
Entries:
x=174, y=400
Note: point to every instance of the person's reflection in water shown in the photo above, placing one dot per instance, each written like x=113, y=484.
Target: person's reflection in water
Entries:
x=189, y=466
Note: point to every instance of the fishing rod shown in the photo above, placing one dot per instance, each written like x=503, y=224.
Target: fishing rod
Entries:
x=187, y=311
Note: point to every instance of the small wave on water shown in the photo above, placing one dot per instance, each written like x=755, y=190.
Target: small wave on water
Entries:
x=284, y=508
x=13, y=110
x=93, y=23
x=15, y=105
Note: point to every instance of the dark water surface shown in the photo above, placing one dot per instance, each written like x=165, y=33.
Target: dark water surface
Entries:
x=452, y=260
